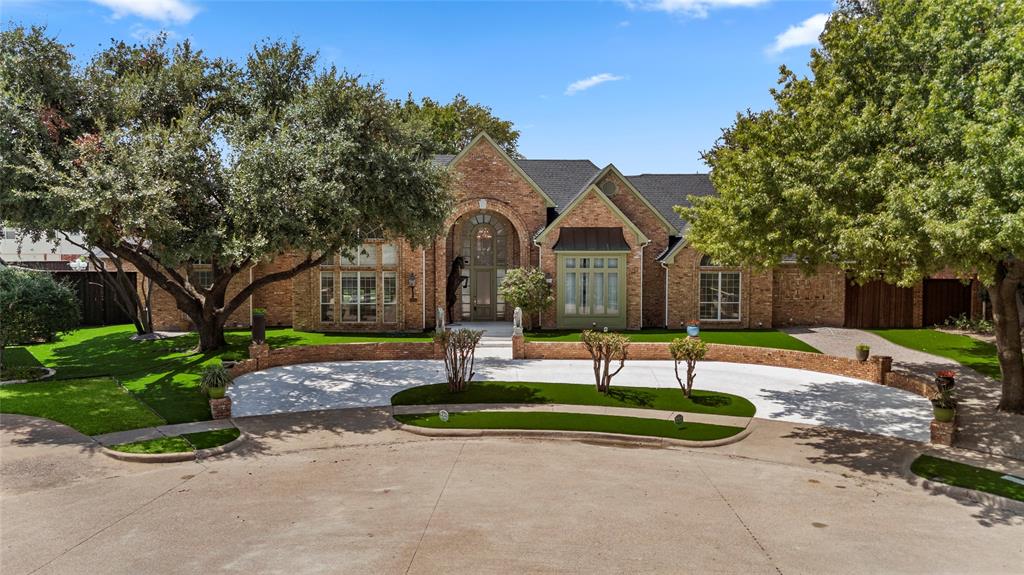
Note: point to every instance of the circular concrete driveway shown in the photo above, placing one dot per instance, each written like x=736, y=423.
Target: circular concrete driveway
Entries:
x=784, y=394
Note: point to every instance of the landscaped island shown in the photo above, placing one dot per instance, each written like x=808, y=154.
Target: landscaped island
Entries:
x=520, y=396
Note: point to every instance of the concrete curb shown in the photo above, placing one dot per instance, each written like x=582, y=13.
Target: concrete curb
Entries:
x=197, y=455
x=598, y=436
x=50, y=372
x=982, y=498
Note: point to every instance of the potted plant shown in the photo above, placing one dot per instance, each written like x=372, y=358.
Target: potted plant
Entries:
x=215, y=380
x=944, y=403
x=693, y=328
x=259, y=325
x=863, y=350
x=945, y=378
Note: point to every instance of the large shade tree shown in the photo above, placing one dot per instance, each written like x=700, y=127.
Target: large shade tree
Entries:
x=901, y=155
x=165, y=157
x=453, y=126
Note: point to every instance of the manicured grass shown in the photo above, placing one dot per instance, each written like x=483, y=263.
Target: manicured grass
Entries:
x=772, y=338
x=92, y=406
x=968, y=476
x=162, y=373
x=574, y=422
x=965, y=350
x=161, y=445
x=576, y=394
x=182, y=443
x=208, y=439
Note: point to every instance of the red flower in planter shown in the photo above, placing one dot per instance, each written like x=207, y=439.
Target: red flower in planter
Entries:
x=946, y=373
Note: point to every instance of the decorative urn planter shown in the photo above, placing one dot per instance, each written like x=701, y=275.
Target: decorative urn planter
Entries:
x=217, y=392
x=862, y=352
x=944, y=414
x=693, y=328
x=259, y=326
x=945, y=379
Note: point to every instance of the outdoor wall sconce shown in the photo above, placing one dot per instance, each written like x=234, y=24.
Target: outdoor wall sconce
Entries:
x=411, y=282
x=78, y=265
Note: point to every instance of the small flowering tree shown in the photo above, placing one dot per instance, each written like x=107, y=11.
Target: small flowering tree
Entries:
x=528, y=289
x=691, y=350
x=459, y=346
x=605, y=348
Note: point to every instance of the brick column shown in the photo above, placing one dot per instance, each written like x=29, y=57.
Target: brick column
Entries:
x=259, y=351
x=518, y=346
x=883, y=365
x=919, y=304
x=221, y=408
x=943, y=432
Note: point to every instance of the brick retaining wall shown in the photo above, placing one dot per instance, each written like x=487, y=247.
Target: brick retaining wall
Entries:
x=263, y=358
x=872, y=370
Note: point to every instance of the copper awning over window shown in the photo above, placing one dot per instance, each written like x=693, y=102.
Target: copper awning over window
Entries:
x=591, y=240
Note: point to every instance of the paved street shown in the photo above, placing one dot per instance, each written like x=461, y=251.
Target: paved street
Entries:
x=341, y=492
x=779, y=393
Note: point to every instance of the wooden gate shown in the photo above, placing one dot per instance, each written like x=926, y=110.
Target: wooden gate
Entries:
x=95, y=299
x=879, y=305
x=944, y=299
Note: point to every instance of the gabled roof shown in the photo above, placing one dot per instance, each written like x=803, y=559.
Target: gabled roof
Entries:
x=665, y=191
x=482, y=136
x=443, y=159
x=592, y=189
x=611, y=169
x=563, y=180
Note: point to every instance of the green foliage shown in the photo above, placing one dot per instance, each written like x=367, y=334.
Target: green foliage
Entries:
x=164, y=156
x=863, y=347
x=453, y=126
x=34, y=306
x=901, y=155
x=604, y=348
x=963, y=322
x=527, y=288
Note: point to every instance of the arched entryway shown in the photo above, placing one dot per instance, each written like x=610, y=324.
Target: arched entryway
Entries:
x=488, y=244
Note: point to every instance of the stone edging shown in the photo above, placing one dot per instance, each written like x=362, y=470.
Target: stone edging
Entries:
x=50, y=372
x=196, y=455
x=598, y=436
x=982, y=498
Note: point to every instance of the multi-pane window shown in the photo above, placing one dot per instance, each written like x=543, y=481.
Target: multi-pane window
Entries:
x=719, y=293
x=202, y=278
x=326, y=297
x=367, y=283
x=590, y=286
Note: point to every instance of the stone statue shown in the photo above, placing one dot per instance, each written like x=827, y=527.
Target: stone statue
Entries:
x=517, y=321
x=452, y=288
x=439, y=320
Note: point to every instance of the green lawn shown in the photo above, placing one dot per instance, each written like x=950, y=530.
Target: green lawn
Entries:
x=965, y=350
x=750, y=337
x=968, y=476
x=574, y=422
x=92, y=406
x=181, y=443
x=574, y=394
x=162, y=373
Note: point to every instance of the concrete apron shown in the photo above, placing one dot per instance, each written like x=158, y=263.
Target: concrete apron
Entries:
x=782, y=394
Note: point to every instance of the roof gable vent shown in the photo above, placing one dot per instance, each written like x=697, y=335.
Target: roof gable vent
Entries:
x=609, y=188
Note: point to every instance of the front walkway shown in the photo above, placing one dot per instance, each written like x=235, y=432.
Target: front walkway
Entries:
x=981, y=427
x=779, y=393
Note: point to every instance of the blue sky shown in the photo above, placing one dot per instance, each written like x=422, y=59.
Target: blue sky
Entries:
x=643, y=84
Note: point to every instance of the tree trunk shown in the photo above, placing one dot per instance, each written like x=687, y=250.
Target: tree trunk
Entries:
x=211, y=334
x=1008, y=338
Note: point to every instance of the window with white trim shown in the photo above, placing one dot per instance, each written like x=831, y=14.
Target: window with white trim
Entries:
x=327, y=297
x=719, y=293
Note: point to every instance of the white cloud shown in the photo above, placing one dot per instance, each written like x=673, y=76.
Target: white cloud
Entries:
x=695, y=8
x=588, y=83
x=145, y=34
x=180, y=11
x=803, y=34
x=624, y=24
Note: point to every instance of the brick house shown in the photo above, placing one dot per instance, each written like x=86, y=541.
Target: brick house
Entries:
x=613, y=247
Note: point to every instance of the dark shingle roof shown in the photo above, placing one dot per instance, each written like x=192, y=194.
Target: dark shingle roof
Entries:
x=560, y=179
x=666, y=191
x=443, y=159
